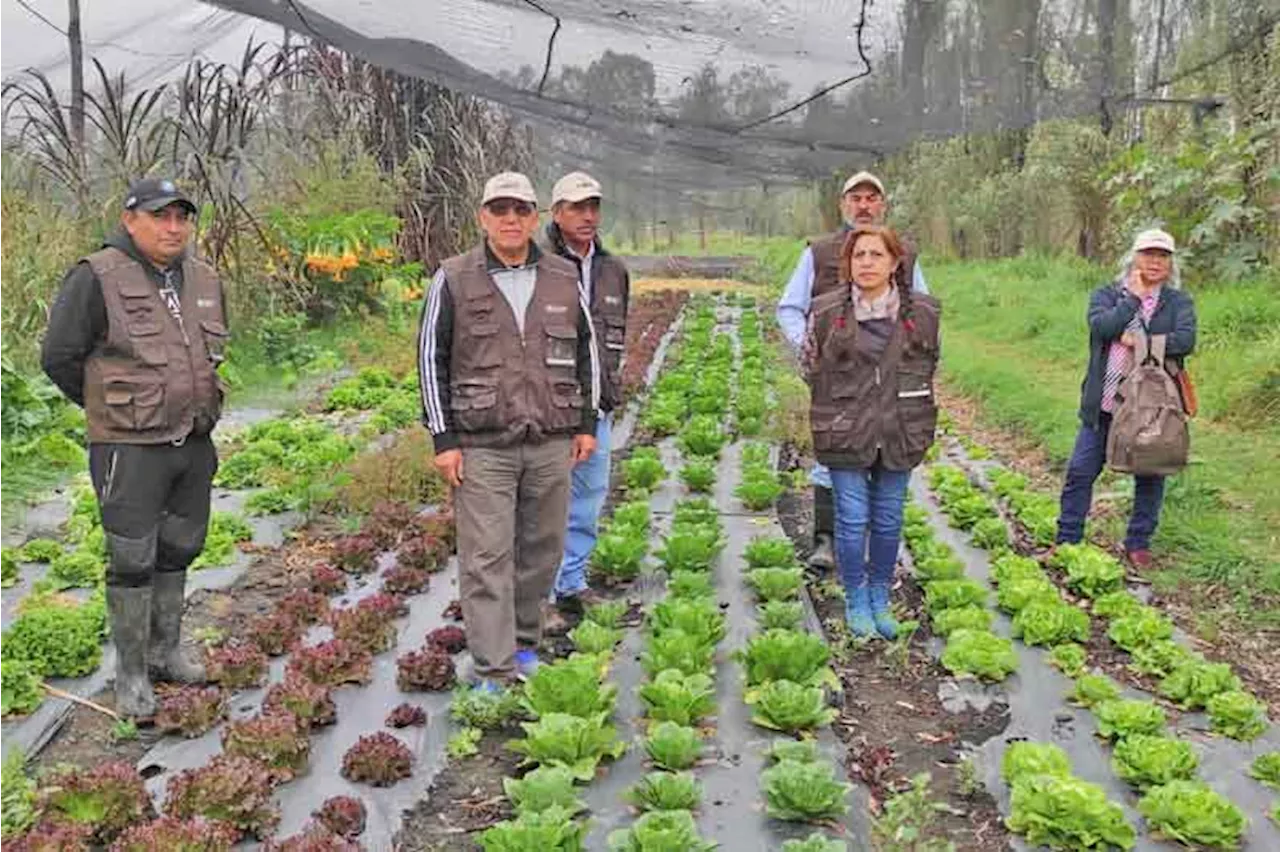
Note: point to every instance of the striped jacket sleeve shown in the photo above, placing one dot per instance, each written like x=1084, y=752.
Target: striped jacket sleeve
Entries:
x=588, y=366
x=435, y=347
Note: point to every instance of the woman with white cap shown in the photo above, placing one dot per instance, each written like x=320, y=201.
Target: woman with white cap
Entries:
x=1145, y=298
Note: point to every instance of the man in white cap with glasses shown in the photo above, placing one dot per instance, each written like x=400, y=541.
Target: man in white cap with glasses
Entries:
x=574, y=235
x=510, y=382
x=862, y=202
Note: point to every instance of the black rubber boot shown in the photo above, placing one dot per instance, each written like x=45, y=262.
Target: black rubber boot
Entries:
x=129, y=609
x=167, y=662
x=824, y=527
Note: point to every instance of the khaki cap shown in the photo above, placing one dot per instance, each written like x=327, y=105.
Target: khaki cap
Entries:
x=509, y=185
x=1154, y=239
x=861, y=178
x=575, y=187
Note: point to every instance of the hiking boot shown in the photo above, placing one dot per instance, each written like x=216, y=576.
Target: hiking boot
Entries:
x=553, y=621
x=857, y=611
x=1140, y=558
x=165, y=659
x=823, y=557
x=130, y=614
x=886, y=624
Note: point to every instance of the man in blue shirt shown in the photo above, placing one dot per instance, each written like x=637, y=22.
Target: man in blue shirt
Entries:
x=862, y=202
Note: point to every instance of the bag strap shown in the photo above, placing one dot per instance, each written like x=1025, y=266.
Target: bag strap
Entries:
x=1157, y=345
x=1142, y=351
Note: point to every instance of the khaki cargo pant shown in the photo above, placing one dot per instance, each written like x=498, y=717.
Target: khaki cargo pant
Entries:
x=510, y=511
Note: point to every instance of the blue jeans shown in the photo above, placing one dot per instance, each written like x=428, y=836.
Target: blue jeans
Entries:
x=868, y=500
x=1087, y=460
x=590, y=488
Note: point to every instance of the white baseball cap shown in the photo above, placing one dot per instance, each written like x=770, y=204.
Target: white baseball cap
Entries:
x=575, y=187
x=509, y=185
x=1154, y=239
x=861, y=178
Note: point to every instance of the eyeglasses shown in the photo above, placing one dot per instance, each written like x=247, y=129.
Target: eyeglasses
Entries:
x=503, y=206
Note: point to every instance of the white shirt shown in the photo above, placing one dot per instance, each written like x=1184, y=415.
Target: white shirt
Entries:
x=516, y=285
x=585, y=266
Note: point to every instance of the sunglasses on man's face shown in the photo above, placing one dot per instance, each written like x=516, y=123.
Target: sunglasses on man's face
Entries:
x=503, y=206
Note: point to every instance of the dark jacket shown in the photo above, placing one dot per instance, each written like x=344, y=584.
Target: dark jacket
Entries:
x=78, y=318
x=483, y=382
x=1111, y=308
x=871, y=385
x=609, y=299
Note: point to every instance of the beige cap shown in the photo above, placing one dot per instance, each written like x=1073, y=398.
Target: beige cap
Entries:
x=860, y=178
x=1154, y=239
x=509, y=185
x=575, y=187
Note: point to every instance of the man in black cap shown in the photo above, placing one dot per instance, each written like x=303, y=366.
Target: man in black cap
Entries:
x=135, y=337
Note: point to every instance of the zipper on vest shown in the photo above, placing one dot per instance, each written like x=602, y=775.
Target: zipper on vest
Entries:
x=191, y=361
x=881, y=431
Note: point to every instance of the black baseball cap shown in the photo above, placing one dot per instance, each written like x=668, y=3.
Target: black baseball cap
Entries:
x=152, y=194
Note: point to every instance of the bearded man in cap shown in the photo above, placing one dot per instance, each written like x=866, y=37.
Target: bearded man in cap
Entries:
x=510, y=383
x=573, y=234
x=862, y=202
x=135, y=337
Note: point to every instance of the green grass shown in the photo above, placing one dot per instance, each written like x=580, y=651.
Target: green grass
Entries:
x=1014, y=339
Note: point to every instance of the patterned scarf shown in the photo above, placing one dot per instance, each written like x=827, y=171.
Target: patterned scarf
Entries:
x=1120, y=357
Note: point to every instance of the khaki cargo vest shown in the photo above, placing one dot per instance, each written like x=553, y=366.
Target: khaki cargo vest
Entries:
x=153, y=380
x=861, y=405
x=505, y=389
x=826, y=263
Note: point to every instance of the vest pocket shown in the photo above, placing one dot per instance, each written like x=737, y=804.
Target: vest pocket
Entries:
x=147, y=341
x=849, y=382
x=215, y=340
x=561, y=347
x=917, y=422
x=485, y=351
x=567, y=403
x=474, y=404
x=832, y=428
x=615, y=335
x=135, y=407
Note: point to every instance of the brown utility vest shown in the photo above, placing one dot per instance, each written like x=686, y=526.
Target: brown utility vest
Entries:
x=505, y=389
x=863, y=406
x=609, y=291
x=153, y=380
x=826, y=263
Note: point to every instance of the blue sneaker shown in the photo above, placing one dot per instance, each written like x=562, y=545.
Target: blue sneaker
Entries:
x=492, y=687
x=527, y=663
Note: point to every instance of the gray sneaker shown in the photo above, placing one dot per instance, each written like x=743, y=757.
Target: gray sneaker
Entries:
x=823, y=557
